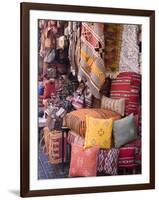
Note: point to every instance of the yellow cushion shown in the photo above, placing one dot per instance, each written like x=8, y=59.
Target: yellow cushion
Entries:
x=98, y=132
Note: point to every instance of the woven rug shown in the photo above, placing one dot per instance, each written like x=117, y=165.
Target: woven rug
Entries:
x=92, y=66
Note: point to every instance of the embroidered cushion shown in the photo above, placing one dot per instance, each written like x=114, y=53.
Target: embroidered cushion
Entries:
x=117, y=105
x=83, y=161
x=76, y=120
x=126, y=157
x=124, y=131
x=98, y=132
x=108, y=161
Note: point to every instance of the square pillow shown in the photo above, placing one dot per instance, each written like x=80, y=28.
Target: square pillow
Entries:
x=124, y=131
x=98, y=132
x=126, y=157
x=117, y=105
x=83, y=161
x=108, y=161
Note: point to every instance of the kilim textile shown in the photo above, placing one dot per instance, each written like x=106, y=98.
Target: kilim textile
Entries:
x=92, y=66
x=113, y=40
x=108, y=161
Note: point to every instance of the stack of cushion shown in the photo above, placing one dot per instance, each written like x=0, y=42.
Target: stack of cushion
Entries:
x=116, y=142
x=115, y=138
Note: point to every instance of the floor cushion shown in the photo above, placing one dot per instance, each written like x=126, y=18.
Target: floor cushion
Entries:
x=76, y=120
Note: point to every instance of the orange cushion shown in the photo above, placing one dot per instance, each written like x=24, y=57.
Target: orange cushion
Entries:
x=83, y=161
x=76, y=120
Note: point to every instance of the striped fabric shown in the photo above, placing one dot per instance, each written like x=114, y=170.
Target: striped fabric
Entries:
x=126, y=157
x=127, y=86
x=92, y=66
x=117, y=105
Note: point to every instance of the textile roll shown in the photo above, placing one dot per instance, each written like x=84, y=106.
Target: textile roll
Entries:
x=92, y=66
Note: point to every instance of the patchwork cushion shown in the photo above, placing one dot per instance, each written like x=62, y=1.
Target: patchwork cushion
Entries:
x=76, y=120
x=108, y=161
x=98, y=132
x=117, y=105
x=127, y=85
x=127, y=157
x=83, y=161
x=124, y=131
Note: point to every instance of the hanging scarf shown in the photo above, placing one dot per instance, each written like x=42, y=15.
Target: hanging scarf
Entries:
x=113, y=37
x=92, y=66
x=129, y=57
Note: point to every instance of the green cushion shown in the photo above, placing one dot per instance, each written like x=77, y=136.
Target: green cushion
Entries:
x=124, y=131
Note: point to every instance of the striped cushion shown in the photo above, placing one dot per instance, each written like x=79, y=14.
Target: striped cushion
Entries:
x=127, y=86
x=126, y=157
x=117, y=105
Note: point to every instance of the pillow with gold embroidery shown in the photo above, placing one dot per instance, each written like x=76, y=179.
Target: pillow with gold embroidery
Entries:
x=98, y=132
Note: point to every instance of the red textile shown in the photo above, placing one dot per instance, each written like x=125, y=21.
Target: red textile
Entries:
x=49, y=88
x=126, y=157
x=127, y=85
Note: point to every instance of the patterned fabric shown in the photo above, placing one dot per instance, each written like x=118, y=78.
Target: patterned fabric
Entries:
x=127, y=157
x=117, y=105
x=113, y=39
x=98, y=132
x=138, y=153
x=75, y=138
x=83, y=162
x=49, y=89
x=76, y=120
x=127, y=85
x=92, y=66
x=88, y=98
x=46, y=140
x=108, y=161
x=124, y=131
x=55, y=147
x=129, y=57
x=74, y=39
